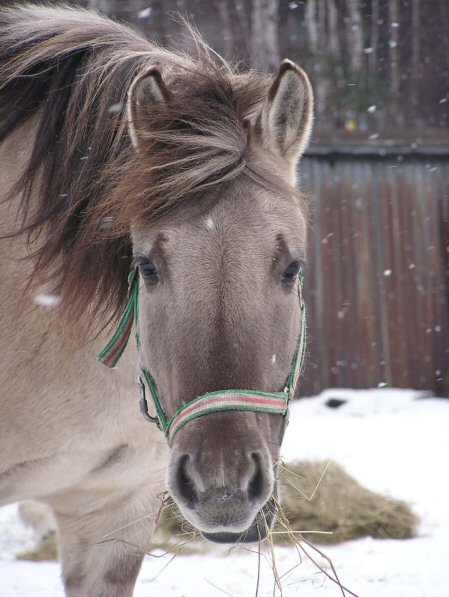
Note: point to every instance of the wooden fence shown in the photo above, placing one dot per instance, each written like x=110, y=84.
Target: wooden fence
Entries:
x=377, y=280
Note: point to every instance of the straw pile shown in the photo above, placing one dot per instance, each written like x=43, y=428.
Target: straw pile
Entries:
x=340, y=505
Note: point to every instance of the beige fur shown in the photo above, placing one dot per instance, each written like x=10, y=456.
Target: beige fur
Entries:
x=62, y=415
x=71, y=434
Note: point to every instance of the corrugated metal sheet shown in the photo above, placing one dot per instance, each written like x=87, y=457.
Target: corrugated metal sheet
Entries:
x=377, y=281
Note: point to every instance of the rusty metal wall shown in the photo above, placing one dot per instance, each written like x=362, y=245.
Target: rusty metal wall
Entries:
x=377, y=279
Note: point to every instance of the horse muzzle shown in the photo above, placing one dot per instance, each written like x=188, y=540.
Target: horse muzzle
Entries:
x=234, y=504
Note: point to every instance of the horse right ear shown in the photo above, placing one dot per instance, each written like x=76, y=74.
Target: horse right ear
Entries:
x=145, y=91
x=285, y=122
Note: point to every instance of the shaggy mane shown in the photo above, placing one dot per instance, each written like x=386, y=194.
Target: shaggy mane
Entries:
x=71, y=69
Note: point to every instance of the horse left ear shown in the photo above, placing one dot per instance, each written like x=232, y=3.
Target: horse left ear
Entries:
x=287, y=114
x=145, y=91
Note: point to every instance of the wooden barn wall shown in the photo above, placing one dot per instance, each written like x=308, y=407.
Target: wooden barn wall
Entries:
x=377, y=276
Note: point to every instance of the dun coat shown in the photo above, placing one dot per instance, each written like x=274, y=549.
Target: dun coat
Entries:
x=117, y=153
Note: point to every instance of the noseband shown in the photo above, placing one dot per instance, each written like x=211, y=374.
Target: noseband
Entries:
x=210, y=402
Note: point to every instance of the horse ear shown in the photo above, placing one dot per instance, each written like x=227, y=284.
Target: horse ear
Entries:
x=145, y=91
x=287, y=113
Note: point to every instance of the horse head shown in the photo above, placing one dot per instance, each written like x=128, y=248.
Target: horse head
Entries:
x=219, y=282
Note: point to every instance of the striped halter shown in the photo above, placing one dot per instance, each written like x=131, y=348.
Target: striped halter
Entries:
x=210, y=402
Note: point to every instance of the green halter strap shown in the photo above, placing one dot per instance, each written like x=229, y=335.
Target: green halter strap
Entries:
x=221, y=400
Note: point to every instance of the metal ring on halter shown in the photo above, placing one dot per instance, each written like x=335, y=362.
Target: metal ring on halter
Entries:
x=143, y=404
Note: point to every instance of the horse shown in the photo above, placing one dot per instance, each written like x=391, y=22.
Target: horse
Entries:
x=155, y=188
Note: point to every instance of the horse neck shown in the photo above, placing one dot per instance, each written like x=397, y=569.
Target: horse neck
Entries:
x=53, y=354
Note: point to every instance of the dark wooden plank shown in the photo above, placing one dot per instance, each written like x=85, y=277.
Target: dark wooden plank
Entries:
x=372, y=215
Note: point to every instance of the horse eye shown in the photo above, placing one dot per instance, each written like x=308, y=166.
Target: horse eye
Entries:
x=291, y=273
x=148, y=272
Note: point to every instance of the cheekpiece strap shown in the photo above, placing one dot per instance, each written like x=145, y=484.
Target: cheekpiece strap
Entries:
x=300, y=351
x=111, y=353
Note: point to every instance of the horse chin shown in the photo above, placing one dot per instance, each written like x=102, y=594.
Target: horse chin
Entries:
x=256, y=532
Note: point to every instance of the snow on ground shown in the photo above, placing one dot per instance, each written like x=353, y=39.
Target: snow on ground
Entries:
x=392, y=441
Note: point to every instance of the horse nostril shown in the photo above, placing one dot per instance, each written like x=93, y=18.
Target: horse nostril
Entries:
x=256, y=484
x=185, y=483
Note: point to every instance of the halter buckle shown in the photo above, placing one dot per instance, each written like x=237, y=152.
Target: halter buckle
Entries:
x=143, y=404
